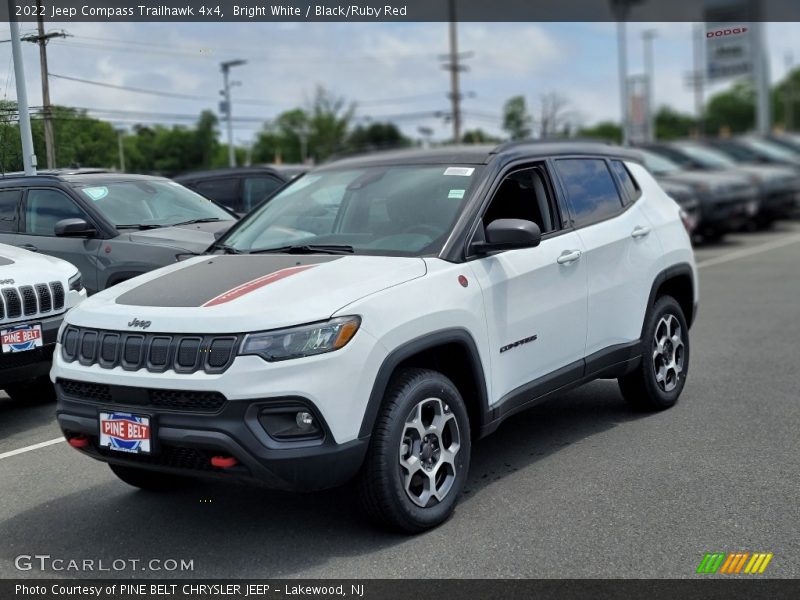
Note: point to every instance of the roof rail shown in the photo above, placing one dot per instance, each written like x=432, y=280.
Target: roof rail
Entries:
x=573, y=140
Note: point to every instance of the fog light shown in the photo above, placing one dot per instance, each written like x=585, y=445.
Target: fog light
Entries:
x=304, y=420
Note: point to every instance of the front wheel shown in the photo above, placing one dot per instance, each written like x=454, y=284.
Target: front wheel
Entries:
x=418, y=458
x=152, y=481
x=658, y=381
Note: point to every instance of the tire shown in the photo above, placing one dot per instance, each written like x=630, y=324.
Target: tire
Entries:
x=37, y=391
x=657, y=382
x=422, y=420
x=152, y=481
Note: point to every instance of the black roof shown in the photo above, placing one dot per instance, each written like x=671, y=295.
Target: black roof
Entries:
x=254, y=170
x=481, y=154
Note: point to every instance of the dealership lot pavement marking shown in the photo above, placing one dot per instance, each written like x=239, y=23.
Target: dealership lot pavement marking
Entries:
x=30, y=448
x=736, y=255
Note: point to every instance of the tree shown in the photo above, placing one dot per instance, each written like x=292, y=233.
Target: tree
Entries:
x=376, y=136
x=606, y=130
x=788, y=92
x=479, y=136
x=556, y=118
x=671, y=124
x=516, y=120
x=329, y=120
x=732, y=110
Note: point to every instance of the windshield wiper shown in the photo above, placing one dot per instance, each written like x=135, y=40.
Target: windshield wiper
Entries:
x=308, y=249
x=193, y=221
x=226, y=249
x=139, y=226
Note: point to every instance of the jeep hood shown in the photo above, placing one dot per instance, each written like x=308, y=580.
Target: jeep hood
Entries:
x=30, y=268
x=194, y=238
x=233, y=294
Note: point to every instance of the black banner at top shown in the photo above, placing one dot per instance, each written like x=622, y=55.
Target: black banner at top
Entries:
x=210, y=11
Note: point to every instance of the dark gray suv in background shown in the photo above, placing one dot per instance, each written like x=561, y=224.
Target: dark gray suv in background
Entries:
x=111, y=226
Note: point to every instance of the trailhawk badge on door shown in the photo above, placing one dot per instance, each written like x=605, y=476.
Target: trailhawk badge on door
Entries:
x=125, y=432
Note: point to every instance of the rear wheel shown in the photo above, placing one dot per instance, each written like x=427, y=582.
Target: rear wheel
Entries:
x=419, y=453
x=152, y=481
x=658, y=381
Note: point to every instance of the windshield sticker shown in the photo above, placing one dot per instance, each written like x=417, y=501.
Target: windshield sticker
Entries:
x=96, y=193
x=460, y=171
x=458, y=194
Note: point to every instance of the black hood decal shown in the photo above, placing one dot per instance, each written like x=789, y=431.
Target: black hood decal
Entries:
x=217, y=280
x=5, y=261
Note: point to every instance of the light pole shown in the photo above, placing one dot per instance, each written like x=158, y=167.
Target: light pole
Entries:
x=28, y=154
x=649, y=70
x=121, y=149
x=226, y=105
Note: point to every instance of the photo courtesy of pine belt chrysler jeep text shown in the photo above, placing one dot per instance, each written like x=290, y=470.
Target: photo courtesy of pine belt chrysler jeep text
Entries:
x=378, y=315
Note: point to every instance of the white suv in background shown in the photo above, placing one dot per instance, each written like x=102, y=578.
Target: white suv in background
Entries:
x=378, y=315
x=35, y=293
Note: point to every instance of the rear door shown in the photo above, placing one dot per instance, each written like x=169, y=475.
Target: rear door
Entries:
x=620, y=249
x=42, y=208
x=9, y=215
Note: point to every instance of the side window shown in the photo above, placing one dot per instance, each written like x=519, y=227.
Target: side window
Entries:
x=258, y=188
x=224, y=191
x=524, y=195
x=45, y=208
x=626, y=180
x=9, y=202
x=591, y=191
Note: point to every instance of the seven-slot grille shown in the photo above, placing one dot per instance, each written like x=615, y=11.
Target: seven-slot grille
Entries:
x=156, y=352
x=31, y=300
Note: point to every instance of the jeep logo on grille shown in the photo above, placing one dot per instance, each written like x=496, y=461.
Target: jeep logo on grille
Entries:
x=137, y=323
x=6, y=282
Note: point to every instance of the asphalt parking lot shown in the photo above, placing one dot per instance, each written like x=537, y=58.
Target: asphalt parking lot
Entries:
x=578, y=487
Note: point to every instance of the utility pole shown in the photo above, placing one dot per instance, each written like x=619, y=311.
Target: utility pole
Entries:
x=789, y=94
x=622, y=61
x=226, y=105
x=41, y=39
x=649, y=69
x=121, y=148
x=28, y=154
x=453, y=65
x=698, y=78
x=761, y=78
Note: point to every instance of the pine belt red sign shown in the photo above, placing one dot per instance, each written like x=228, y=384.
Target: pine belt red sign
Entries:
x=125, y=430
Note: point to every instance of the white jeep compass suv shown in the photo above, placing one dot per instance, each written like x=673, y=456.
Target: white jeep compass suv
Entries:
x=35, y=293
x=378, y=315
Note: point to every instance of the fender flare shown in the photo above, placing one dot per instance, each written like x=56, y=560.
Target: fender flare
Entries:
x=680, y=269
x=407, y=350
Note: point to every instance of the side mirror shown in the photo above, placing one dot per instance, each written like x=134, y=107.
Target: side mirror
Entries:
x=74, y=228
x=508, y=234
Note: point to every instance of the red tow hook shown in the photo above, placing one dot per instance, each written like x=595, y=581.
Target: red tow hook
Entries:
x=224, y=462
x=78, y=441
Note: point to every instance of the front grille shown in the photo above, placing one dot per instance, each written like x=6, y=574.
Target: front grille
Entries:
x=177, y=400
x=155, y=352
x=31, y=300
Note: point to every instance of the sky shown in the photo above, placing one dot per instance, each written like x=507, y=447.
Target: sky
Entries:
x=392, y=71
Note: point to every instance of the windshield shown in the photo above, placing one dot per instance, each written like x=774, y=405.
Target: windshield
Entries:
x=657, y=164
x=770, y=150
x=387, y=210
x=158, y=203
x=710, y=159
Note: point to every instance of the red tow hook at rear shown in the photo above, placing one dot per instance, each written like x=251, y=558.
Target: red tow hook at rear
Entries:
x=224, y=462
x=78, y=441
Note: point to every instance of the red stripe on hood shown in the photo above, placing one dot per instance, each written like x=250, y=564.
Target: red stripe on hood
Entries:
x=255, y=284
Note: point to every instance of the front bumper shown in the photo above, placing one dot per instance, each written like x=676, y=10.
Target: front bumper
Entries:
x=21, y=367
x=184, y=442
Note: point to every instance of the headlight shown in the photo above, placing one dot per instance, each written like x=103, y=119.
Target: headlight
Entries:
x=75, y=282
x=305, y=340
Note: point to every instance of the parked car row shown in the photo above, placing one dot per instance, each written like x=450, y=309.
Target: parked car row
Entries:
x=739, y=182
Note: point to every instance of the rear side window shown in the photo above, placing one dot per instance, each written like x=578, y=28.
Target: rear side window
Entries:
x=591, y=191
x=630, y=188
x=258, y=188
x=224, y=191
x=9, y=200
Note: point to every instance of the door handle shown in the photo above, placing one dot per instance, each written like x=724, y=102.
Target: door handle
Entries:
x=29, y=247
x=640, y=232
x=568, y=256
